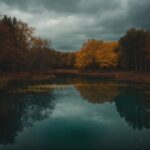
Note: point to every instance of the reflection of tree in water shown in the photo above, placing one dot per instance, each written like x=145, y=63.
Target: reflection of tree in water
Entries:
x=20, y=110
x=134, y=106
x=98, y=93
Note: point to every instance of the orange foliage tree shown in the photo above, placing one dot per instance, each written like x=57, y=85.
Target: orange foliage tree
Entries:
x=108, y=56
x=96, y=54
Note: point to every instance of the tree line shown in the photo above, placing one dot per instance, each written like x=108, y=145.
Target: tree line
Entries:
x=20, y=50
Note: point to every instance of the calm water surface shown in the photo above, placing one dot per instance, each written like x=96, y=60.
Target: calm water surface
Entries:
x=75, y=114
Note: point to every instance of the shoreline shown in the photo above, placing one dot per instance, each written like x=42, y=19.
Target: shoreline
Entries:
x=51, y=75
x=127, y=76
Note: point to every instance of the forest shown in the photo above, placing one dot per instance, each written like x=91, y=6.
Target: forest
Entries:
x=21, y=51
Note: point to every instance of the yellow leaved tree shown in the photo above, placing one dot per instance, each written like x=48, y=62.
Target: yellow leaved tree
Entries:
x=96, y=54
x=107, y=57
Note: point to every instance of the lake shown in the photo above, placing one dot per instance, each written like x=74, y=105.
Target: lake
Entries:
x=75, y=114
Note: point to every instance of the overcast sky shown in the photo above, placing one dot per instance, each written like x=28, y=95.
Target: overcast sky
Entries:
x=68, y=23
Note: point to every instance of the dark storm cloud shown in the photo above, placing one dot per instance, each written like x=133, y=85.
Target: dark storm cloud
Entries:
x=139, y=13
x=68, y=23
x=65, y=6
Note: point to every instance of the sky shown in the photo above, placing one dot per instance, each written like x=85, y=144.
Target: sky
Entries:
x=69, y=23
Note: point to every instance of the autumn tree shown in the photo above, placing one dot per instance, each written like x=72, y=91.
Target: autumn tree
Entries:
x=67, y=60
x=24, y=35
x=107, y=57
x=96, y=54
x=70, y=60
x=37, y=42
x=10, y=55
x=85, y=58
x=20, y=50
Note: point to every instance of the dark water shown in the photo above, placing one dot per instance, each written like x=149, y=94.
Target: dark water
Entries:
x=75, y=114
